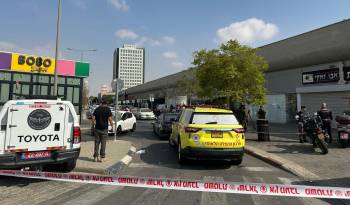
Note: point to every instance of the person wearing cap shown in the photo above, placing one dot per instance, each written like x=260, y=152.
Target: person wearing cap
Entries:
x=301, y=114
x=326, y=116
x=101, y=116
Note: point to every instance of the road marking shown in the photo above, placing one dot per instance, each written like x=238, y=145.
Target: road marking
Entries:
x=133, y=149
x=152, y=166
x=142, y=151
x=152, y=197
x=126, y=160
x=212, y=198
x=258, y=200
x=94, y=195
x=306, y=201
x=260, y=169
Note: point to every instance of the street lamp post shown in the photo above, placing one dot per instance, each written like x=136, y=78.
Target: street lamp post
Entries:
x=57, y=44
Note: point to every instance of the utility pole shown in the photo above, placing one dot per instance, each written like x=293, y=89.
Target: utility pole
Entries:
x=55, y=88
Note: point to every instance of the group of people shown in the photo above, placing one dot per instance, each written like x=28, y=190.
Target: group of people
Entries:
x=326, y=116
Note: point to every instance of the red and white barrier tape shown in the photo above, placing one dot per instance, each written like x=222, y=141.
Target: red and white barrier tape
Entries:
x=190, y=185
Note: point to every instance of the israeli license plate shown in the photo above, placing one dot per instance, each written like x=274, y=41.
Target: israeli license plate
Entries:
x=216, y=134
x=344, y=135
x=36, y=155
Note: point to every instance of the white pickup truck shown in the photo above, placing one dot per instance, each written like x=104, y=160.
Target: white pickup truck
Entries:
x=39, y=134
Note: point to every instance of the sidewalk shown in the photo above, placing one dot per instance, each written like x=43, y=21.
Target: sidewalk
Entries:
x=116, y=151
x=301, y=159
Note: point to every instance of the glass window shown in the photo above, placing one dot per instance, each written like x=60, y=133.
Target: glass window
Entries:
x=5, y=76
x=21, y=77
x=5, y=91
x=61, y=80
x=73, y=81
x=76, y=97
x=214, y=118
x=25, y=89
x=69, y=94
x=44, y=90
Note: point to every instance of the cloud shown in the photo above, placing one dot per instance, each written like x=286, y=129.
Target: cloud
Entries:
x=119, y=4
x=168, y=39
x=247, y=31
x=126, y=34
x=178, y=65
x=143, y=41
x=170, y=55
x=39, y=50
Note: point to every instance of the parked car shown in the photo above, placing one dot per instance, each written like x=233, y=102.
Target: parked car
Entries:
x=162, y=125
x=126, y=122
x=145, y=114
x=208, y=133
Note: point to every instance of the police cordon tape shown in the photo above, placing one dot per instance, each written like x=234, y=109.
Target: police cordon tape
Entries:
x=189, y=185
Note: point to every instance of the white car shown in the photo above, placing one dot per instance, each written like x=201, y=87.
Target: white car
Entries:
x=145, y=114
x=39, y=134
x=126, y=122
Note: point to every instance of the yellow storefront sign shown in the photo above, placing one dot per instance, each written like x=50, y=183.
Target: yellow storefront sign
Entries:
x=32, y=64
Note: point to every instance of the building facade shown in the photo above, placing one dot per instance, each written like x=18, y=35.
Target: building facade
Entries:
x=27, y=76
x=129, y=65
x=307, y=69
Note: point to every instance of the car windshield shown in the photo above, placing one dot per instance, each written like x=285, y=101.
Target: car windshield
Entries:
x=169, y=117
x=214, y=118
x=145, y=110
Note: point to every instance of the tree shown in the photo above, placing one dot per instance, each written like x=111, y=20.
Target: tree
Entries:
x=188, y=85
x=232, y=71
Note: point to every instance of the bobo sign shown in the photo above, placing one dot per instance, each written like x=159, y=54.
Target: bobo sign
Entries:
x=26, y=63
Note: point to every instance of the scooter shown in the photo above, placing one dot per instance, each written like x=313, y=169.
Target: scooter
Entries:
x=343, y=127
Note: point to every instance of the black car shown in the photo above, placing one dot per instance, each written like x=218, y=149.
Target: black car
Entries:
x=162, y=125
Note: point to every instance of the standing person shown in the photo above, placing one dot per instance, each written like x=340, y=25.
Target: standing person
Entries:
x=261, y=113
x=326, y=116
x=243, y=116
x=301, y=114
x=102, y=115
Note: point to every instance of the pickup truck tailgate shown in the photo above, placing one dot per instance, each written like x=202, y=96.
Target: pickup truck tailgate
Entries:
x=36, y=127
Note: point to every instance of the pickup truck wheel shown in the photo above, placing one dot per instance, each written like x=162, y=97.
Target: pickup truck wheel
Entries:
x=69, y=166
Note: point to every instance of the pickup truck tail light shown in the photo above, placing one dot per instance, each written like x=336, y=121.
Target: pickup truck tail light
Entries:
x=76, y=135
x=192, y=129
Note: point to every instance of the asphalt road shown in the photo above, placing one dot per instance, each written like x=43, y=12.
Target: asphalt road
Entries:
x=155, y=159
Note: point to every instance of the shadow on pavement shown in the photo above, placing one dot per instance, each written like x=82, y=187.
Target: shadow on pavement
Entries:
x=295, y=149
x=336, y=182
x=161, y=154
x=17, y=181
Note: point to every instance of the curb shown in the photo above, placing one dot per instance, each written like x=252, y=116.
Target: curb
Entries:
x=124, y=162
x=282, y=163
x=112, y=170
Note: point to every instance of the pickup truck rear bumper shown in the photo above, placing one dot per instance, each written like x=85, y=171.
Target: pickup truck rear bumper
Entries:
x=14, y=160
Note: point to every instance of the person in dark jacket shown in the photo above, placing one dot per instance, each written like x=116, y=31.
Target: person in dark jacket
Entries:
x=326, y=116
x=261, y=113
x=301, y=114
x=101, y=117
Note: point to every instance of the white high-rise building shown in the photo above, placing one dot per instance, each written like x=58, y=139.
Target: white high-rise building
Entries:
x=129, y=65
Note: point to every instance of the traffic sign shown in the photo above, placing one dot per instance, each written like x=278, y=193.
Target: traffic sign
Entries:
x=119, y=82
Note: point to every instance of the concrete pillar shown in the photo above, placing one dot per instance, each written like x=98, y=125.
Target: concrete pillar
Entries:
x=298, y=101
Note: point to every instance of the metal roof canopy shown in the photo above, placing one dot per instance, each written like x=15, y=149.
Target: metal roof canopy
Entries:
x=323, y=45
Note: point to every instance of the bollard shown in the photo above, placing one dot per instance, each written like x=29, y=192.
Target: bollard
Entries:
x=263, y=130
